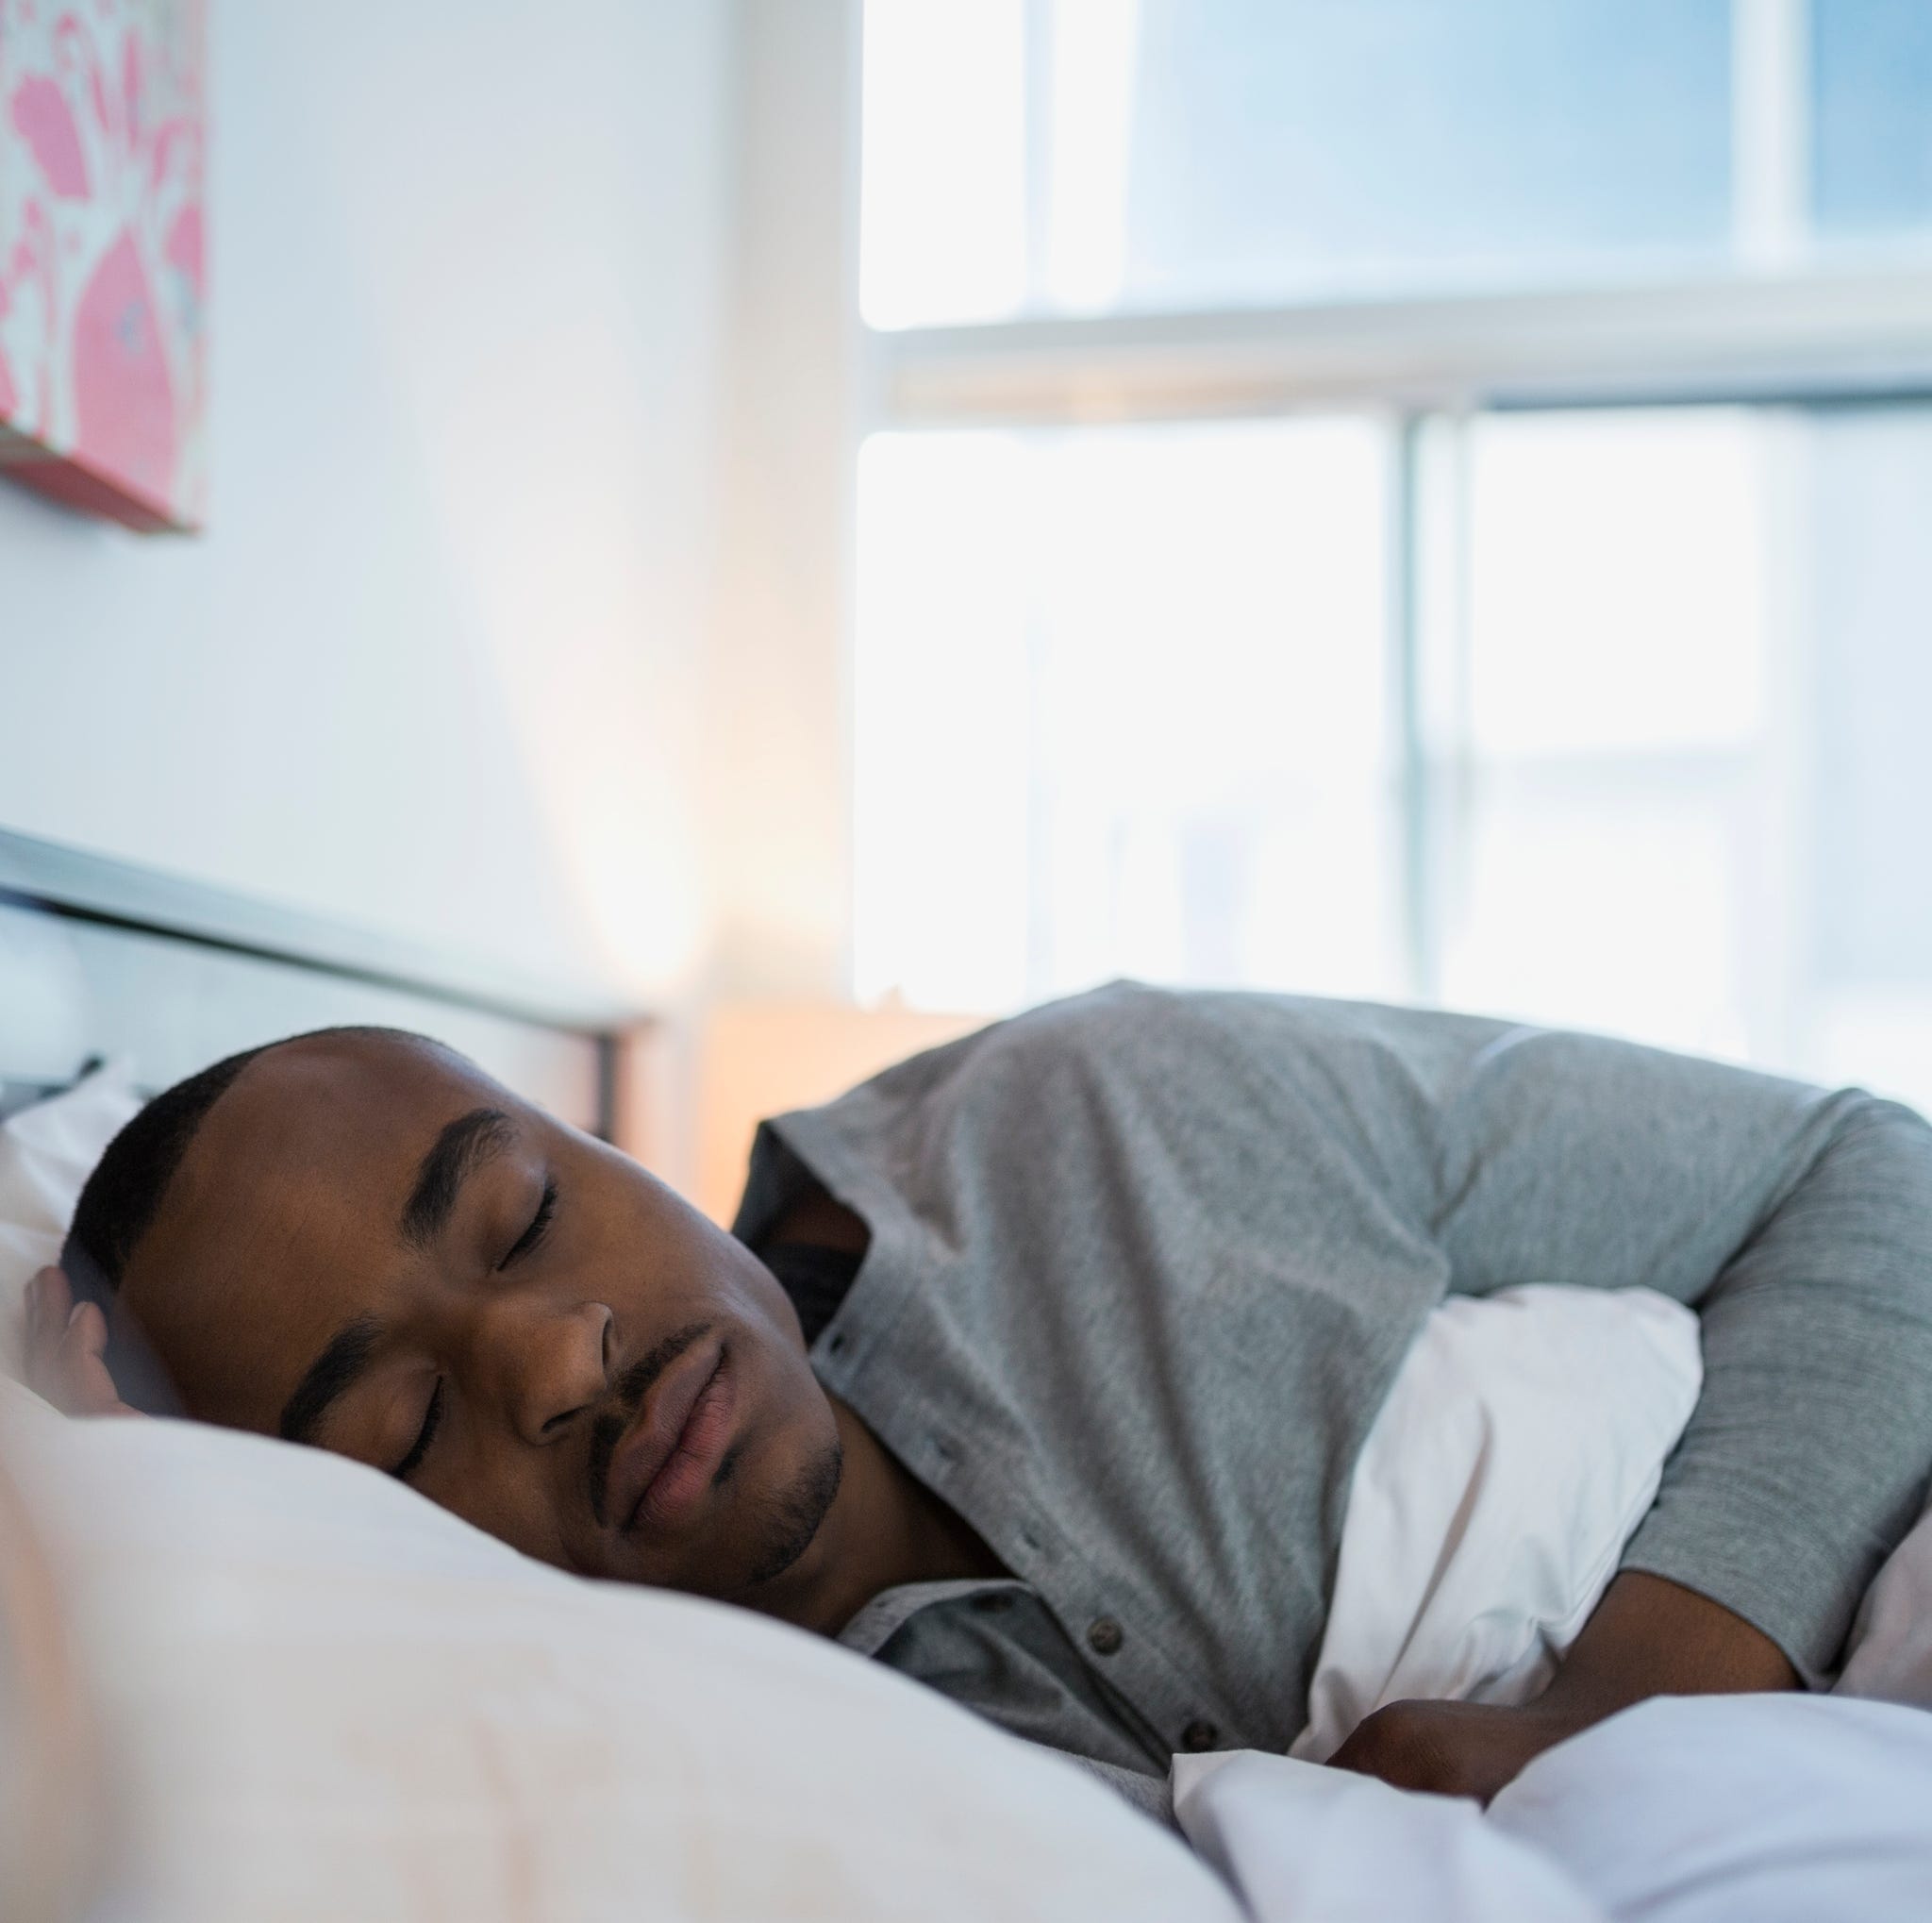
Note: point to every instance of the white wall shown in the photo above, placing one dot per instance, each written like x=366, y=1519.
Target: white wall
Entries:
x=436, y=664
x=777, y=798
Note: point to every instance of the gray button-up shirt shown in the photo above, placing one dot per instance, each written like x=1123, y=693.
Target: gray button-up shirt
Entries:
x=1143, y=1265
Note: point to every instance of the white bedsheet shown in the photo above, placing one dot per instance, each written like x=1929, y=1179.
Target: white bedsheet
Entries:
x=1689, y=1809
x=1301, y=1843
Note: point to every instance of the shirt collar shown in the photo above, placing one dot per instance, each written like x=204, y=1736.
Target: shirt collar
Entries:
x=882, y=1618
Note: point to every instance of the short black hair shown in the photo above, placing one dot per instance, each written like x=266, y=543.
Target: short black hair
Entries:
x=124, y=1192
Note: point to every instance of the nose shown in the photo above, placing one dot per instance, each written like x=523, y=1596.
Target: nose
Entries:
x=545, y=1363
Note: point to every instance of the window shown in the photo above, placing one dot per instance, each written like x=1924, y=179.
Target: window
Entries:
x=1123, y=708
x=1600, y=791
x=1871, y=107
x=1080, y=156
x=1373, y=498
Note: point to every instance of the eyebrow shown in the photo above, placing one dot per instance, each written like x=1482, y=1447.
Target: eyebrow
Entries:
x=464, y=1145
x=461, y=1148
x=332, y=1372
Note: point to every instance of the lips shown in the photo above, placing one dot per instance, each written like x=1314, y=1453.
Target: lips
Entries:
x=666, y=1458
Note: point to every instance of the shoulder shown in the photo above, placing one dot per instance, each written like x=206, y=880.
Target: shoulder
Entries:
x=1247, y=1031
x=1121, y=1028
x=1239, y=1053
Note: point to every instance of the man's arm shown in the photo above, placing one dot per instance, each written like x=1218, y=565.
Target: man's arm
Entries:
x=1648, y=1637
x=1800, y=1224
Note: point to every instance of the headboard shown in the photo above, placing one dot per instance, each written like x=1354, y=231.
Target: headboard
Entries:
x=100, y=958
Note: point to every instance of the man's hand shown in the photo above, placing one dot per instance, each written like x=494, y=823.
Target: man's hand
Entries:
x=66, y=1350
x=1648, y=1637
x=1453, y=1748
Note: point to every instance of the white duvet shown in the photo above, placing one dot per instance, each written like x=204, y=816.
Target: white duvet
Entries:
x=1771, y=1808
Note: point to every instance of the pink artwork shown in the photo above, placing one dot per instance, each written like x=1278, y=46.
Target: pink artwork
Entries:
x=103, y=255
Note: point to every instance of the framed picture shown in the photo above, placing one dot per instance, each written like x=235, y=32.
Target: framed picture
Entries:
x=103, y=256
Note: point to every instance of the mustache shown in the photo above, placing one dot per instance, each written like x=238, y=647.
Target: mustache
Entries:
x=627, y=1398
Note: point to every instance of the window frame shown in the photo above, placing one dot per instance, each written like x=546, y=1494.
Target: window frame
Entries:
x=1785, y=325
x=1782, y=323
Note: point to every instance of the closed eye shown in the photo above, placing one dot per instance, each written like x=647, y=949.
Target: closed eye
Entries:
x=539, y=1224
x=432, y=1419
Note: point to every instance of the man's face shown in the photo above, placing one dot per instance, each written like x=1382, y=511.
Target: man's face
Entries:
x=371, y=1247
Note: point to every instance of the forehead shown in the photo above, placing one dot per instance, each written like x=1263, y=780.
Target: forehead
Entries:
x=281, y=1224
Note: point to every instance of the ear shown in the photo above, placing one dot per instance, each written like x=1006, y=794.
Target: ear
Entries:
x=140, y=1378
x=143, y=1382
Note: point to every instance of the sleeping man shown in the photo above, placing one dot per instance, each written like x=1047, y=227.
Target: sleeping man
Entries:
x=1037, y=1366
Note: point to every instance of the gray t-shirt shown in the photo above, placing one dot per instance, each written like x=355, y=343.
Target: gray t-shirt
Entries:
x=1143, y=1263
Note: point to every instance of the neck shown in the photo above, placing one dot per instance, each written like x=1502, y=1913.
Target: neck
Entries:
x=884, y=1528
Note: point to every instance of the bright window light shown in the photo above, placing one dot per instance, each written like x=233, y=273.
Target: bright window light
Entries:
x=1089, y=162
x=1122, y=708
x=943, y=188
x=1607, y=716
x=1089, y=155
x=1611, y=903
x=1613, y=797
x=1617, y=568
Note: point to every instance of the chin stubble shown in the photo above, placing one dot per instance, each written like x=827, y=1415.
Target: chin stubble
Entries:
x=792, y=1518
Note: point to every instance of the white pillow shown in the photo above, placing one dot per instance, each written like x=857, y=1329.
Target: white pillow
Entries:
x=46, y=1153
x=1520, y=1446
x=325, y=1698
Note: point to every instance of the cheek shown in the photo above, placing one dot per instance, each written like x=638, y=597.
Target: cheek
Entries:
x=761, y=1301
x=509, y=1497
x=787, y=1416
x=786, y=1394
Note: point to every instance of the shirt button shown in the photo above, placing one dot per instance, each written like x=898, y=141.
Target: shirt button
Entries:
x=1199, y=1735
x=1105, y=1635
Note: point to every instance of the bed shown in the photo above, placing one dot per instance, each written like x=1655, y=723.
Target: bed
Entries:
x=100, y=958
x=240, y=1679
